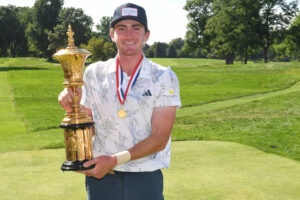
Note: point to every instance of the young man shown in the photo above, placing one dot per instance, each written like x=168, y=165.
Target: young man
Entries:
x=133, y=103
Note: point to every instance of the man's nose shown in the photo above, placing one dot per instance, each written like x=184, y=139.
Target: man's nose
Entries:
x=129, y=33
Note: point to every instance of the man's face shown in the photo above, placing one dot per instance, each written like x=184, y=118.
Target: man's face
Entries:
x=129, y=36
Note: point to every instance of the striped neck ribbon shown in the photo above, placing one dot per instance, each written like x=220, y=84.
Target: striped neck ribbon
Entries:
x=121, y=95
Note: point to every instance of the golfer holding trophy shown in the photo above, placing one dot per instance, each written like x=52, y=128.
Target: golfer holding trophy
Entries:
x=128, y=103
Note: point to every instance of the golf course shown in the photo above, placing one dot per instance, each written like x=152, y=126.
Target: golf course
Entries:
x=236, y=136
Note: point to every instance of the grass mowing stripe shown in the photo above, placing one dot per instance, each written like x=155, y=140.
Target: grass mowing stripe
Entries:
x=232, y=102
x=13, y=135
x=199, y=170
x=10, y=123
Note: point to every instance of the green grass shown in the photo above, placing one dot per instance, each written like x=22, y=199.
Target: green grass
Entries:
x=256, y=105
x=36, y=84
x=199, y=171
x=271, y=124
x=264, y=117
x=229, y=171
x=10, y=125
x=13, y=135
x=35, y=175
x=203, y=80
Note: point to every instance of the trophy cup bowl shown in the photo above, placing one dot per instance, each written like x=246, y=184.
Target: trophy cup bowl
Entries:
x=77, y=124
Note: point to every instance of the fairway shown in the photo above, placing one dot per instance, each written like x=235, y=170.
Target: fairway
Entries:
x=10, y=124
x=199, y=170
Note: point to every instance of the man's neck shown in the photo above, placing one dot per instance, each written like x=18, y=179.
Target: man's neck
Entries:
x=128, y=63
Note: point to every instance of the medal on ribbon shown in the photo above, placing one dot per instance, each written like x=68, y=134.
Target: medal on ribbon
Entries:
x=121, y=95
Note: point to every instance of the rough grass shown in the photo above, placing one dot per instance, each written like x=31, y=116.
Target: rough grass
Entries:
x=271, y=125
x=204, y=80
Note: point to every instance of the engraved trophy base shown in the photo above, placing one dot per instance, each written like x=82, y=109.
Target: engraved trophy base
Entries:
x=75, y=166
x=78, y=146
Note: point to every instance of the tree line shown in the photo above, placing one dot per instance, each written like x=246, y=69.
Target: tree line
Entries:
x=239, y=29
x=223, y=29
x=41, y=30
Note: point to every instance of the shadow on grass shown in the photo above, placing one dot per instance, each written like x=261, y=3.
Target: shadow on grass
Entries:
x=21, y=68
x=58, y=145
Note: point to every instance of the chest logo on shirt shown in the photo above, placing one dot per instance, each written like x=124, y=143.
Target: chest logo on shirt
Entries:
x=171, y=92
x=147, y=93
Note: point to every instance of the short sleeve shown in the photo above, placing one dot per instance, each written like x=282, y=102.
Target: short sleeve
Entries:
x=167, y=92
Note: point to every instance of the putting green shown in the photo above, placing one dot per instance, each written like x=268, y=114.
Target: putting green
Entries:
x=211, y=170
x=199, y=170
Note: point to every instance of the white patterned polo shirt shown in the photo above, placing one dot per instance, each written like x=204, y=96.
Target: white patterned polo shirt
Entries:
x=155, y=86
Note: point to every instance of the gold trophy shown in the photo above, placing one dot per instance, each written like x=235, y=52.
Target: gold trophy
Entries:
x=77, y=124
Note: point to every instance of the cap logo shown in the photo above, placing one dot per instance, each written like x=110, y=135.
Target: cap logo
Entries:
x=129, y=12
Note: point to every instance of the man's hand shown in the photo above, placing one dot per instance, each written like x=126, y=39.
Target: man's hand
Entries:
x=66, y=97
x=103, y=165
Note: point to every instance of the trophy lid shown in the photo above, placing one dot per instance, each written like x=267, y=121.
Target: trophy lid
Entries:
x=71, y=49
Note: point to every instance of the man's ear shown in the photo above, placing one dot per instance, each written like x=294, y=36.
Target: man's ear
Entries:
x=147, y=35
x=112, y=32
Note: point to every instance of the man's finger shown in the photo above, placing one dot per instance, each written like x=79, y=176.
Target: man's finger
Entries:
x=78, y=90
x=70, y=92
x=69, y=99
x=65, y=105
x=89, y=163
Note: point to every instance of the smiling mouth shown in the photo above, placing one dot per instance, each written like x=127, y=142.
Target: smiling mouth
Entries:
x=129, y=43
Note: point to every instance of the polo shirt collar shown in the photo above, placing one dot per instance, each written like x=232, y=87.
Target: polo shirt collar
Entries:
x=145, y=70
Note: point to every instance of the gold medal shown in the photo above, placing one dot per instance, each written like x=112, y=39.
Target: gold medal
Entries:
x=119, y=77
x=122, y=113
